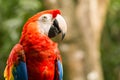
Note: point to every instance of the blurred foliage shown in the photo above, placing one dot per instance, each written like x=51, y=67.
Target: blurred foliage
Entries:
x=110, y=46
x=12, y=17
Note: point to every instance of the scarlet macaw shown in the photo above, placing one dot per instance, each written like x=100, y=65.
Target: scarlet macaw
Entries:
x=36, y=56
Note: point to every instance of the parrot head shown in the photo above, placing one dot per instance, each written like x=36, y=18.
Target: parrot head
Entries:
x=49, y=22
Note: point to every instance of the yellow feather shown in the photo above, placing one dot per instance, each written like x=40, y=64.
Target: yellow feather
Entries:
x=8, y=73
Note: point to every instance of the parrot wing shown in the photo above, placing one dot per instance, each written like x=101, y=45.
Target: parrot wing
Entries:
x=58, y=68
x=16, y=65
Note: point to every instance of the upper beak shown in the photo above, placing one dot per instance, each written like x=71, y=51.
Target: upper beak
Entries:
x=59, y=26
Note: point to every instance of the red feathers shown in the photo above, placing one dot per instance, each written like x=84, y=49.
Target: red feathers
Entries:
x=35, y=17
x=36, y=50
x=40, y=50
x=32, y=26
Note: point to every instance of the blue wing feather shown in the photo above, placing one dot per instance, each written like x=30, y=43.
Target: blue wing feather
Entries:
x=16, y=66
x=20, y=71
x=60, y=69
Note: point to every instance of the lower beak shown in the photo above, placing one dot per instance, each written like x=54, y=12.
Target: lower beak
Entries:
x=58, y=26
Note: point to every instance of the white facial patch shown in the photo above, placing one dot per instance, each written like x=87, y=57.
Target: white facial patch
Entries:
x=45, y=21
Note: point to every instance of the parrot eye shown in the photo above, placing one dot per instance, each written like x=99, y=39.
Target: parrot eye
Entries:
x=46, y=18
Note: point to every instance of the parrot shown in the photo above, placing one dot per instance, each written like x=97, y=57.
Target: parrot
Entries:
x=36, y=56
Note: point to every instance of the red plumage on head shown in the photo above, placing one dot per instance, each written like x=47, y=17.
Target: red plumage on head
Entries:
x=53, y=12
x=35, y=18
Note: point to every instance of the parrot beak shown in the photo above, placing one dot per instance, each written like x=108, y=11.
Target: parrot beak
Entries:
x=59, y=26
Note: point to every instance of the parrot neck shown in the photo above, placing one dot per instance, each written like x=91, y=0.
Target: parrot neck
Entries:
x=37, y=41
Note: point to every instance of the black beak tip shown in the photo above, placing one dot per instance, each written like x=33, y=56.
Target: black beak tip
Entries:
x=63, y=35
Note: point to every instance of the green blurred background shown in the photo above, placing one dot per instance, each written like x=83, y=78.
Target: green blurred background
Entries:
x=110, y=43
x=13, y=15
